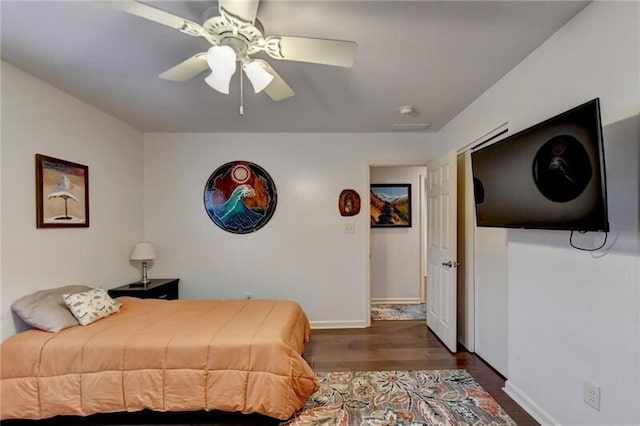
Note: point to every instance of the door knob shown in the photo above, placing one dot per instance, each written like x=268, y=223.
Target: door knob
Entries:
x=451, y=264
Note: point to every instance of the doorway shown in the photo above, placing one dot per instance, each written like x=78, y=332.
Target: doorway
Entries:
x=396, y=267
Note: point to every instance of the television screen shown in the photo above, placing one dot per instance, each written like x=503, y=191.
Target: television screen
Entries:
x=549, y=176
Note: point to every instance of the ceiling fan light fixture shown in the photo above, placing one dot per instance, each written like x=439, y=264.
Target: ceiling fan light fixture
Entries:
x=259, y=77
x=222, y=61
x=221, y=56
x=218, y=82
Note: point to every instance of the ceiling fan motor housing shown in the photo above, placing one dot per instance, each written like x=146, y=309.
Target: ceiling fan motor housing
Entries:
x=229, y=27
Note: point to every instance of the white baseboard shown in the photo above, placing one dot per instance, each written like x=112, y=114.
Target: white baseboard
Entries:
x=316, y=325
x=396, y=301
x=529, y=405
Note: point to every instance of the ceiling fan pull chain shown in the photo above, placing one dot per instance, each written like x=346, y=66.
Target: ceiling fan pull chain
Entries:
x=241, y=92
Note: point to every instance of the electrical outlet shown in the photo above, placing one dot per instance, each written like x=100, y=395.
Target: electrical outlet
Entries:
x=248, y=295
x=349, y=228
x=591, y=395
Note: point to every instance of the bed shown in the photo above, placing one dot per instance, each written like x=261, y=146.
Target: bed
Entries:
x=181, y=355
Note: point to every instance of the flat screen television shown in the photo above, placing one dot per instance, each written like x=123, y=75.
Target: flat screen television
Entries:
x=549, y=176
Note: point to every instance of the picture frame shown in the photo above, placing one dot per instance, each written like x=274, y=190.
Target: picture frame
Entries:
x=390, y=205
x=62, y=193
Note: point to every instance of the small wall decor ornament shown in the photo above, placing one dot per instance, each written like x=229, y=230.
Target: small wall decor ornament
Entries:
x=240, y=197
x=349, y=202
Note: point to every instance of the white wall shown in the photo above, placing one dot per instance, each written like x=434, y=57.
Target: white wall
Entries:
x=38, y=118
x=574, y=315
x=395, y=253
x=302, y=253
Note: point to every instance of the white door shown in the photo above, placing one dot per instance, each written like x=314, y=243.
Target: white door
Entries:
x=441, y=249
x=491, y=297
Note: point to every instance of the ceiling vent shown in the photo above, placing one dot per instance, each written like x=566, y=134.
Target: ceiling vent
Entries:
x=417, y=127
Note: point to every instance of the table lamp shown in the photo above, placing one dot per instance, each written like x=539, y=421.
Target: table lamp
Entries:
x=144, y=250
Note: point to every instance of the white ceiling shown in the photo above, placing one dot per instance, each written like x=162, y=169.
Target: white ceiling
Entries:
x=436, y=56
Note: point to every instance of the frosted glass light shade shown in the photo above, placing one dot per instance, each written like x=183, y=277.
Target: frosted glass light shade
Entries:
x=259, y=77
x=222, y=61
x=143, y=250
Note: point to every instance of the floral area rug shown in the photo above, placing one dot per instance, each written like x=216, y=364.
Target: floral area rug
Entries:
x=400, y=398
x=399, y=311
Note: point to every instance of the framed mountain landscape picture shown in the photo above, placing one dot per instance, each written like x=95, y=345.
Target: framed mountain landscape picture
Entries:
x=390, y=205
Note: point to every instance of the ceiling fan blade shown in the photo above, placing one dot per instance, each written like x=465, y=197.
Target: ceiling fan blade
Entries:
x=278, y=89
x=244, y=10
x=315, y=50
x=188, y=69
x=156, y=15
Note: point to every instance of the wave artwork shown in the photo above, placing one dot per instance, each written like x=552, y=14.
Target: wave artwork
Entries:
x=240, y=197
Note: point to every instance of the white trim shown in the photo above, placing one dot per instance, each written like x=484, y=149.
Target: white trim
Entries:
x=316, y=325
x=479, y=141
x=423, y=238
x=528, y=404
x=396, y=301
x=366, y=199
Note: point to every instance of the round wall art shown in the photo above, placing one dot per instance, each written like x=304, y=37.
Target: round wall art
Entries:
x=240, y=197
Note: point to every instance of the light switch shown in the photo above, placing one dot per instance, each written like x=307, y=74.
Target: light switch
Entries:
x=349, y=228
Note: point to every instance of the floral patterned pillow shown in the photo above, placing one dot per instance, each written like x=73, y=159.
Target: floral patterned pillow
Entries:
x=91, y=305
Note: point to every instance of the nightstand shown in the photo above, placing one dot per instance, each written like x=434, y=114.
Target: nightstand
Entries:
x=159, y=288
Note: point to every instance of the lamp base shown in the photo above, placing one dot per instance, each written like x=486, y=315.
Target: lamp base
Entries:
x=136, y=285
x=145, y=279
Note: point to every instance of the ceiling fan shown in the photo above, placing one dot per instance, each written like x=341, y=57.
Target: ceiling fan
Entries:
x=235, y=34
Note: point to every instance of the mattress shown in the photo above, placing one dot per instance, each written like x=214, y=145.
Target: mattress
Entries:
x=180, y=355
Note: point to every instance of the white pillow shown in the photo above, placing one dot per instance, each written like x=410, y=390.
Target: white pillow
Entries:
x=91, y=305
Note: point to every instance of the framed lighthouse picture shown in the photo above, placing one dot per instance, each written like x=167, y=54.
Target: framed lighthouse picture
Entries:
x=62, y=193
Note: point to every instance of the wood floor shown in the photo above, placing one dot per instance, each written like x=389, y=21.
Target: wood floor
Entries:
x=403, y=345
x=386, y=345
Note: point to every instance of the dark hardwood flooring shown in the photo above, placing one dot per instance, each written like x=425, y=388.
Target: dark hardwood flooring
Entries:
x=403, y=345
x=386, y=345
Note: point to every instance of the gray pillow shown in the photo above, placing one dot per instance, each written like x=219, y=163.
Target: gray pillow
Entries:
x=46, y=309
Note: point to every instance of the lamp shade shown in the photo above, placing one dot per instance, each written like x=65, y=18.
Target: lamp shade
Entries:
x=259, y=77
x=143, y=250
x=222, y=61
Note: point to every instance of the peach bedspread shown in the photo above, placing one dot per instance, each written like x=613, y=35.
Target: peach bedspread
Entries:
x=231, y=355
